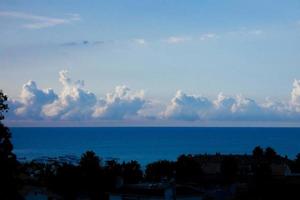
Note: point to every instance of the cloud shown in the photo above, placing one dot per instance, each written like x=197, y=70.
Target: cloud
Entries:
x=237, y=108
x=256, y=32
x=32, y=99
x=295, y=95
x=83, y=43
x=181, y=39
x=246, y=32
x=187, y=107
x=96, y=43
x=120, y=104
x=74, y=102
x=207, y=36
x=177, y=39
x=140, y=41
x=37, y=21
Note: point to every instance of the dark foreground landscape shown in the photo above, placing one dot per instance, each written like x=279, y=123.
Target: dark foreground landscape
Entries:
x=263, y=174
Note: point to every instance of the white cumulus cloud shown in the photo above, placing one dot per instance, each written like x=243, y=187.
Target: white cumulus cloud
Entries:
x=120, y=104
x=236, y=108
x=32, y=99
x=74, y=101
x=187, y=107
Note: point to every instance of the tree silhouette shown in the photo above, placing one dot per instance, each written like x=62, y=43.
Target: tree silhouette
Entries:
x=162, y=169
x=270, y=154
x=112, y=172
x=188, y=169
x=92, y=181
x=8, y=161
x=258, y=152
x=132, y=172
x=89, y=162
x=66, y=181
x=297, y=163
x=262, y=170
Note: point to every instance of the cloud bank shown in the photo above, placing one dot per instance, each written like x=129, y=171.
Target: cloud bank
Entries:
x=75, y=102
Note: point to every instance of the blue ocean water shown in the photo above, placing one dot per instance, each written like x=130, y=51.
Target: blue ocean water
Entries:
x=150, y=144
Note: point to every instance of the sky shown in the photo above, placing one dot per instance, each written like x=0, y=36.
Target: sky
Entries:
x=150, y=60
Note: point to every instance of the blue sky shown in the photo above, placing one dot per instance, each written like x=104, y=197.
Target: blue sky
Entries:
x=201, y=47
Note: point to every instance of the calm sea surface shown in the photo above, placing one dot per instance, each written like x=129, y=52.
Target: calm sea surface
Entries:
x=150, y=144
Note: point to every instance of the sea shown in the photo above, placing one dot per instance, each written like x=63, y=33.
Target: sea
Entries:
x=148, y=144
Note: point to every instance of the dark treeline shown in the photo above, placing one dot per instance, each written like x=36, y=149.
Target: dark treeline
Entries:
x=89, y=178
x=262, y=175
x=95, y=179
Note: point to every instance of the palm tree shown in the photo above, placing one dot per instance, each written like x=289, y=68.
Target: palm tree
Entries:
x=91, y=175
x=89, y=161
